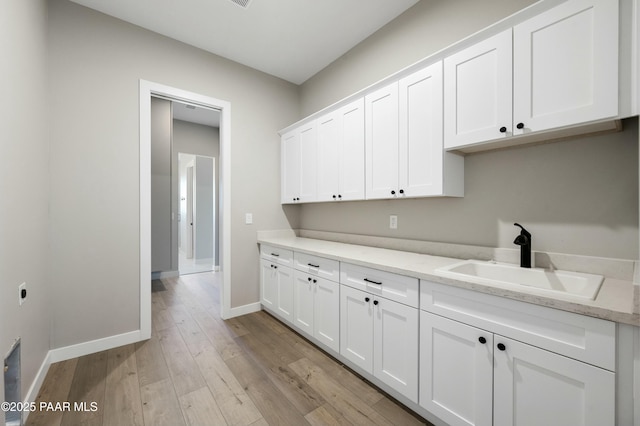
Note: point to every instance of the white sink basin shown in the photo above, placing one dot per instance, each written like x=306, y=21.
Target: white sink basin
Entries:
x=540, y=281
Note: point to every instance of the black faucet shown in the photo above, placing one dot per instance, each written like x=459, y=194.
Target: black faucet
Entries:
x=524, y=241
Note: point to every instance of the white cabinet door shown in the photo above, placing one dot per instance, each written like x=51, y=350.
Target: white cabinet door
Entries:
x=381, y=142
x=326, y=313
x=268, y=284
x=421, y=139
x=356, y=327
x=478, y=92
x=352, y=157
x=456, y=371
x=290, y=164
x=395, y=346
x=535, y=387
x=565, y=65
x=308, y=162
x=328, y=157
x=284, y=303
x=303, y=294
x=341, y=154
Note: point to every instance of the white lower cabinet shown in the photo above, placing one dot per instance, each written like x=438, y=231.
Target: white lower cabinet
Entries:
x=317, y=308
x=533, y=387
x=456, y=371
x=381, y=337
x=470, y=376
x=276, y=282
x=465, y=357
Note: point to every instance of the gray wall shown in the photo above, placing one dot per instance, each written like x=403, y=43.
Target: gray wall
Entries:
x=161, y=202
x=422, y=30
x=96, y=62
x=578, y=196
x=192, y=138
x=24, y=185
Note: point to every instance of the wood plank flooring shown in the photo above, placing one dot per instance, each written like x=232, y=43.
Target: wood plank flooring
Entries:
x=200, y=370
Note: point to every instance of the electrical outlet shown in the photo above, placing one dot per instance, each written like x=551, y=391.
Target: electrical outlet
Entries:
x=22, y=293
x=248, y=218
x=393, y=221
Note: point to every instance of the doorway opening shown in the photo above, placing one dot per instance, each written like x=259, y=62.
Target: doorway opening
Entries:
x=197, y=218
x=147, y=90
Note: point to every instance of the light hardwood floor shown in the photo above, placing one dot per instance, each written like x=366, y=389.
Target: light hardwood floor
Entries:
x=200, y=370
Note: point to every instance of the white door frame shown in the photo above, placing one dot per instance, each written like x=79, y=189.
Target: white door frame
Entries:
x=147, y=89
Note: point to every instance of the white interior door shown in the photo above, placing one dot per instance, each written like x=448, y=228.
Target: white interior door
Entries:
x=189, y=224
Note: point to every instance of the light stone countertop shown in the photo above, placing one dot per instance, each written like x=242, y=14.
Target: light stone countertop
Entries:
x=617, y=299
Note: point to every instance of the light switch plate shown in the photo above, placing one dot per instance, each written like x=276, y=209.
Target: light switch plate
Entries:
x=248, y=218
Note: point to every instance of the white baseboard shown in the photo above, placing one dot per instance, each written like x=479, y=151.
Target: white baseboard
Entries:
x=244, y=310
x=93, y=346
x=34, y=389
x=164, y=274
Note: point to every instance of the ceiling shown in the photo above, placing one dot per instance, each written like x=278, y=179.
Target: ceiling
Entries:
x=196, y=114
x=290, y=39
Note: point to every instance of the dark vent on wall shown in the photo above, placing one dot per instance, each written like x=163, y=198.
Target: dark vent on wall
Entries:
x=242, y=3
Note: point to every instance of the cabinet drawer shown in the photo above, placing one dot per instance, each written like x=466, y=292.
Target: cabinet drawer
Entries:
x=385, y=284
x=276, y=255
x=320, y=266
x=580, y=337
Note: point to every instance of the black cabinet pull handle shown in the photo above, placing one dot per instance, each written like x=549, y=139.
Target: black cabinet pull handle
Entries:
x=334, y=197
x=309, y=279
x=375, y=302
x=402, y=191
x=503, y=129
x=313, y=266
x=275, y=254
x=275, y=267
x=315, y=281
x=482, y=340
x=393, y=192
x=520, y=126
x=366, y=299
x=501, y=346
x=339, y=196
x=372, y=282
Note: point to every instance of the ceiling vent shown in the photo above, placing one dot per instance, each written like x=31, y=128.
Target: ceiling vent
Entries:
x=242, y=3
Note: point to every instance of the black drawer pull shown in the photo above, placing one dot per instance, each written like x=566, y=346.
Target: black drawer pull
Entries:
x=313, y=266
x=275, y=254
x=372, y=282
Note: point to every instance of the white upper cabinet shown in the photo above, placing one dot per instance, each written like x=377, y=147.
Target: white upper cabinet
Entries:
x=328, y=156
x=352, y=161
x=404, y=147
x=341, y=153
x=477, y=92
x=308, y=160
x=562, y=65
x=424, y=168
x=565, y=65
x=299, y=169
x=290, y=161
x=381, y=141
